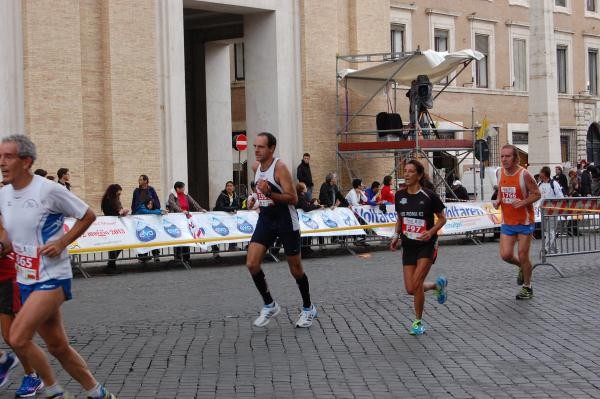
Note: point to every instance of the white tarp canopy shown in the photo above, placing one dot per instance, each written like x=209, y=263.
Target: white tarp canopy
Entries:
x=405, y=69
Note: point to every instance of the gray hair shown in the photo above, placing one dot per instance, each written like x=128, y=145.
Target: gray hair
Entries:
x=25, y=147
x=330, y=176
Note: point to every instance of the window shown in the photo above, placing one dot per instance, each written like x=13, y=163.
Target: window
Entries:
x=568, y=147
x=441, y=39
x=494, y=146
x=561, y=64
x=397, y=38
x=593, y=71
x=440, y=43
x=520, y=64
x=481, y=66
x=560, y=3
x=239, y=61
x=591, y=5
x=520, y=138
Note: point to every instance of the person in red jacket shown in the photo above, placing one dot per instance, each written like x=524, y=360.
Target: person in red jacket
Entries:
x=387, y=196
x=10, y=303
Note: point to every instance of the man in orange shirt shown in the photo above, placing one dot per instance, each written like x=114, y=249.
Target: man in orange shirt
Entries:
x=517, y=192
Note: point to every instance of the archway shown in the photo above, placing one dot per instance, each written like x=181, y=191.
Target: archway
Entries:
x=593, y=143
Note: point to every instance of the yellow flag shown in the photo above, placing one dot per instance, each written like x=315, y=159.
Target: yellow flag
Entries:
x=485, y=124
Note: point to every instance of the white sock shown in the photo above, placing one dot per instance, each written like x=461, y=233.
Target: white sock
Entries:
x=54, y=390
x=3, y=357
x=96, y=392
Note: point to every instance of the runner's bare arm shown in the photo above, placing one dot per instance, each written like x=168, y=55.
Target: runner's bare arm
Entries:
x=252, y=199
x=532, y=189
x=284, y=178
x=55, y=248
x=396, y=236
x=440, y=222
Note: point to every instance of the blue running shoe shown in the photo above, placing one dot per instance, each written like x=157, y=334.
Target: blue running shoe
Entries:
x=440, y=289
x=11, y=362
x=417, y=328
x=29, y=386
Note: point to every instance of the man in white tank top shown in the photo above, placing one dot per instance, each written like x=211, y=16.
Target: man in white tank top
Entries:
x=278, y=218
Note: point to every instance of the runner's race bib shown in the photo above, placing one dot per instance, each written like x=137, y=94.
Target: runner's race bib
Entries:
x=413, y=228
x=27, y=261
x=509, y=195
x=263, y=200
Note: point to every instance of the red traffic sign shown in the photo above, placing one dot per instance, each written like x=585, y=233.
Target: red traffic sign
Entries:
x=241, y=142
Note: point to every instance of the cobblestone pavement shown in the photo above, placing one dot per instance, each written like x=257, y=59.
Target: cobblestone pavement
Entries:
x=188, y=334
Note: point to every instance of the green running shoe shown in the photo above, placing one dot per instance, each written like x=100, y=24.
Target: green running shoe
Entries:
x=525, y=293
x=417, y=328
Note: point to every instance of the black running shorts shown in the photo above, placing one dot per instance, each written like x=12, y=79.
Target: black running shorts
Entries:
x=10, y=298
x=410, y=253
x=266, y=234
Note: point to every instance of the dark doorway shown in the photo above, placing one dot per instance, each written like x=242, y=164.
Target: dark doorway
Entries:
x=201, y=26
x=592, y=144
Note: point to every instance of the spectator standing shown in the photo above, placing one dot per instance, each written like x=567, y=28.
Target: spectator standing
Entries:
x=329, y=194
x=40, y=172
x=356, y=196
x=180, y=202
x=585, y=185
x=595, y=174
x=111, y=206
x=549, y=189
x=372, y=193
x=143, y=193
x=561, y=178
x=304, y=175
x=573, y=183
x=139, y=204
x=387, y=195
x=63, y=177
x=307, y=206
x=460, y=191
x=227, y=201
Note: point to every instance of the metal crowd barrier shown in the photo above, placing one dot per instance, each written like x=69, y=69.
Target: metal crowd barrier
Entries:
x=79, y=261
x=570, y=226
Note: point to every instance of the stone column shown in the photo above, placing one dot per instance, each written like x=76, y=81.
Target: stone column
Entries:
x=544, y=123
x=271, y=50
x=12, y=119
x=172, y=93
x=218, y=117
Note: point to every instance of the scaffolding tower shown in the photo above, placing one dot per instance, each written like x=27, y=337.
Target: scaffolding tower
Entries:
x=418, y=142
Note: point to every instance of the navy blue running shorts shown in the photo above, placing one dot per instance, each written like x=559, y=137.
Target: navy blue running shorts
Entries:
x=267, y=232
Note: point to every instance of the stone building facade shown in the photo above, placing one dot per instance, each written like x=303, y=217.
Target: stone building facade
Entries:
x=104, y=87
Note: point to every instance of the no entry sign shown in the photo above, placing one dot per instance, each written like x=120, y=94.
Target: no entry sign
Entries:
x=241, y=142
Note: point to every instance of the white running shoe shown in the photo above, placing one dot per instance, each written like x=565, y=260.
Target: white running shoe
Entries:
x=307, y=316
x=266, y=314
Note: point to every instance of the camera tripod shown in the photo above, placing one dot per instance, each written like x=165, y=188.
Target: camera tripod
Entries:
x=426, y=122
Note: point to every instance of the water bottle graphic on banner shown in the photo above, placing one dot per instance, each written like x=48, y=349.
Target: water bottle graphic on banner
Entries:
x=143, y=232
x=243, y=226
x=307, y=220
x=171, y=229
x=327, y=220
x=348, y=221
x=195, y=231
x=219, y=227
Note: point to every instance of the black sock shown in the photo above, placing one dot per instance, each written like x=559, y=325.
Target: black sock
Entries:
x=263, y=288
x=304, y=290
